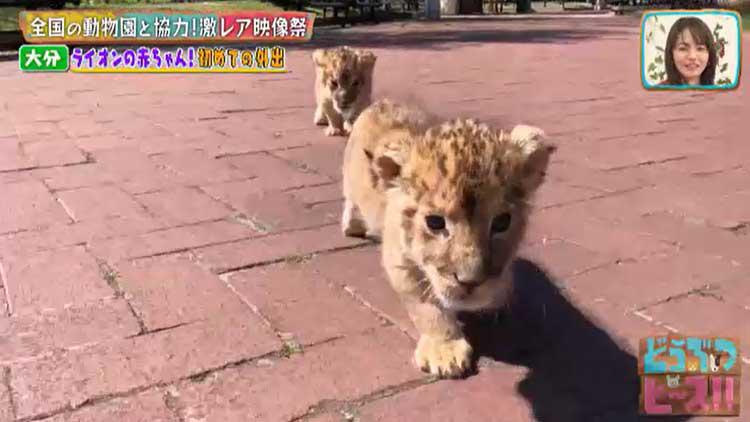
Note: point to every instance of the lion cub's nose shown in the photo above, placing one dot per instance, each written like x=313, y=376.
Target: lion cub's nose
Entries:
x=470, y=275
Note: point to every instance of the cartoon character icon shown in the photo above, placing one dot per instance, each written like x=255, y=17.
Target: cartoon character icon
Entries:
x=692, y=365
x=673, y=381
x=714, y=362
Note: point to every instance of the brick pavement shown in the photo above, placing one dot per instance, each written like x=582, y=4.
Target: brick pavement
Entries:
x=169, y=246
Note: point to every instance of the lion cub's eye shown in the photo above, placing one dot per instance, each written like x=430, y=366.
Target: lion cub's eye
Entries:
x=500, y=223
x=334, y=84
x=435, y=222
x=356, y=82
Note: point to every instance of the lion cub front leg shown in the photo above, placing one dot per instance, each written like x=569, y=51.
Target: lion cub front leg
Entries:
x=335, y=121
x=348, y=124
x=442, y=349
x=320, y=118
x=352, y=223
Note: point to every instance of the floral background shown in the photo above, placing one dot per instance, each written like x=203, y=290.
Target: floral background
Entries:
x=654, y=38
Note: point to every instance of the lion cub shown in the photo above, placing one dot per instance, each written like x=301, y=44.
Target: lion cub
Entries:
x=343, y=87
x=453, y=209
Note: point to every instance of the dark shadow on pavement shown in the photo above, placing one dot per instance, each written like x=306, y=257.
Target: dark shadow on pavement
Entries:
x=577, y=372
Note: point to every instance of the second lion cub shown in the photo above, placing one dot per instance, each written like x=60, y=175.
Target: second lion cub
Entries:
x=452, y=204
x=343, y=87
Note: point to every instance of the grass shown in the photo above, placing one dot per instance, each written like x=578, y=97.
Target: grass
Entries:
x=9, y=18
x=9, y=15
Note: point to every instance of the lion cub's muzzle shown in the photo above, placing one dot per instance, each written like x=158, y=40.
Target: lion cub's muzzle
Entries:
x=470, y=275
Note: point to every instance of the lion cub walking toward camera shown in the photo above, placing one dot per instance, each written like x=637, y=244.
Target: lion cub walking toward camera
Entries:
x=452, y=204
x=343, y=87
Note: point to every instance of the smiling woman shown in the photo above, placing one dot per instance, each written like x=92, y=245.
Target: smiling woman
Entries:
x=690, y=53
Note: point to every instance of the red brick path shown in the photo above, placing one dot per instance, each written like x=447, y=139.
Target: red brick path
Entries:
x=170, y=250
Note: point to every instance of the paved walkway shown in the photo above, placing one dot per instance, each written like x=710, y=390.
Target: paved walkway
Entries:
x=170, y=248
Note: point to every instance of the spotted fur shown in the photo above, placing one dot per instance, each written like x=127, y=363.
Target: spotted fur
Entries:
x=478, y=183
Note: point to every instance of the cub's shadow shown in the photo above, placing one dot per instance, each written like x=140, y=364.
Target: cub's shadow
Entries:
x=577, y=372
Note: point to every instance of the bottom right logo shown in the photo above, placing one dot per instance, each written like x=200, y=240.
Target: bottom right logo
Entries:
x=684, y=375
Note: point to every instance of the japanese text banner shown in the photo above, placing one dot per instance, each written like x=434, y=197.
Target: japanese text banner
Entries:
x=131, y=26
x=154, y=59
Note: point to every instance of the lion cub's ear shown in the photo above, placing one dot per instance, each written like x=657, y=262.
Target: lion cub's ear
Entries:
x=319, y=57
x=366, y=59
x=387, y=161
x=536, y=152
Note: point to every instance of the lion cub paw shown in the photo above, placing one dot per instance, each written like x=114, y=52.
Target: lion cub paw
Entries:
x=320, y=120
x=354, y=228
x=334, y=131
x=348, y=127
x=444, y=358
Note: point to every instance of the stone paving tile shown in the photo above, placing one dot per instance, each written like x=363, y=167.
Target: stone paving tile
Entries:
x=31, y=334
x=183, y=206
x=53, y=153
x=274, y=211
x=360, y=272
x=319, y=194
x=76, y=128
x=69, y=379
x=589, y=232
x=53, y=279
x=736, y=291
x=148, y=406
x=492, y=392
x=16, y=177
x=237, y=142
x=88, y=204
x=564, y=259
x=197, y=168
x=4, y=308
x=75, y=177
x=556, y=194
x=134, y=170
x=642, y=283
x=169, y=240
x=170, y=290
x=275, y=173
x=338, y=370
x=282, y=211
x=64, y=235
x=6, y=404
x=297, y=301
x=135, y=128
x=328, y=417
x=324, y=157
x=94, y=144
x=246, y=253
x=695, y=236
x=33, y=206
x=11, y=157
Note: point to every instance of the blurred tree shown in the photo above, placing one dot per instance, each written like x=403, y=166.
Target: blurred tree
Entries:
x=523, y=6
x=470, y=7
